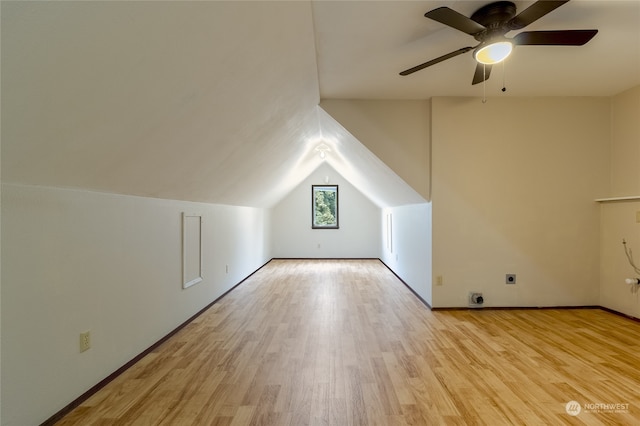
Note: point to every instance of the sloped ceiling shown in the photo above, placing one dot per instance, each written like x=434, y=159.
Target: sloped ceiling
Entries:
x=200, y=101
x=217, y=101
x=362, y=168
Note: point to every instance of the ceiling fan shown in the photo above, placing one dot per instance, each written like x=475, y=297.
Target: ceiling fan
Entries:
x=490, y=23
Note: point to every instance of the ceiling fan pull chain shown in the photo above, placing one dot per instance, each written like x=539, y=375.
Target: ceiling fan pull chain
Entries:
x=484, y=84
x=504, y=72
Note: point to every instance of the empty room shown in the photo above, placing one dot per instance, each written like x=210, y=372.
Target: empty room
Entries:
x=320, y=212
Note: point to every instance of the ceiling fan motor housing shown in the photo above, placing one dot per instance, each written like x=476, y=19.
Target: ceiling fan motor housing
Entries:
x=495, y=17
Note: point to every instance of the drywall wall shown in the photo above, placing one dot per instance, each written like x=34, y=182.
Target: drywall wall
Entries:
x=0, y=283
x=512, y=193
x=619, y=219
x=76, y=260
x=396, y=131
x=625, y=143
x=406, y=245
x=618, y=223
x=359, y=233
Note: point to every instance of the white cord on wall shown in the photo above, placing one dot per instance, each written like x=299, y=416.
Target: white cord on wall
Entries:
x=629, y=254
x=627, y=251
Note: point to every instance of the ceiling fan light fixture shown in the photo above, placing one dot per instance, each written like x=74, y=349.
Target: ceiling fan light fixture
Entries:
x=493, y=53
x=322, y=150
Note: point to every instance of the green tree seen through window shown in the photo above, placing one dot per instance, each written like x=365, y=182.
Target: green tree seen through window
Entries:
x=325, y=206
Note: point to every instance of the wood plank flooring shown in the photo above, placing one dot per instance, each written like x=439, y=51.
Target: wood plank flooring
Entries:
x=343, y=342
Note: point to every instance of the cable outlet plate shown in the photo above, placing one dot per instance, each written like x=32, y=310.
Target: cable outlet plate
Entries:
x=473, y=297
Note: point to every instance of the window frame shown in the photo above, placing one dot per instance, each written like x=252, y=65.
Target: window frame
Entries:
x=314, y=189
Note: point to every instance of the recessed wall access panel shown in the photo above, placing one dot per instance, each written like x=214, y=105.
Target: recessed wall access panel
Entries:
x=191, y=249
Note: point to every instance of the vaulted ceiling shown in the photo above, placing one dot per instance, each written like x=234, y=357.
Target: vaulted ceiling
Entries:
x=218, y=101
x=200, y=101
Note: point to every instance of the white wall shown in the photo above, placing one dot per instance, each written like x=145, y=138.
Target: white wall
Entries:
x=513, y=190
x=359, y=234
x=396, y=131
x=75, y=260
x=619, y=218
x=406, y=245
x=0, y=272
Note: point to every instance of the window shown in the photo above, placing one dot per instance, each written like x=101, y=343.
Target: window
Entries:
x=324, y=208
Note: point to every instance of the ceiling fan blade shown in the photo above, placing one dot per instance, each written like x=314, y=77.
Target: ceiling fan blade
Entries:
x=482, y=73
x=450, y=17
x=533, y=13
x=554, y=38
x=436, y=60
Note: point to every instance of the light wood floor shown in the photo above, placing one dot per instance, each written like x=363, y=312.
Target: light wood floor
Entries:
x=345, y=343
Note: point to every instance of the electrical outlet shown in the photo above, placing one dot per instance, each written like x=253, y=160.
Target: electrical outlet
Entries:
x=510, y=279
x=439, y=280
x=85, y=341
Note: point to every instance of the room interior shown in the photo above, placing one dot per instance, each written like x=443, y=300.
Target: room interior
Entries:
x=119, y=117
